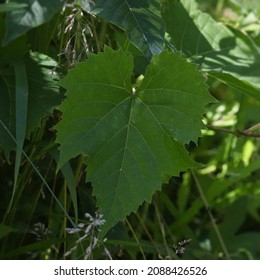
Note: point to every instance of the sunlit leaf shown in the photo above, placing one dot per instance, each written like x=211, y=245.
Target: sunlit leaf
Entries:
x=133, y=137
x=225, y=54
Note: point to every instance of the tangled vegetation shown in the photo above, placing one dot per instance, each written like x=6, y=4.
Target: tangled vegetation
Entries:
x=130, y=129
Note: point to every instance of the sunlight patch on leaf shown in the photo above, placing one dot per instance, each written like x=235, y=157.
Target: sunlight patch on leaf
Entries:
x=226, y=54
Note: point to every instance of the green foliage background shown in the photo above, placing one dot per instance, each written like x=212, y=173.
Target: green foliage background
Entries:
x=145, y=112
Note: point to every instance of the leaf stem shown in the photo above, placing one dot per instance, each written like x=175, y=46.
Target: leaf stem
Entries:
x=212, y=219
x=238, y=133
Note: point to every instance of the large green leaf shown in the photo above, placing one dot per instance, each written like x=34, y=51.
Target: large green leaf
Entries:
x=225, y=54
x=33, y=14
x=144, y=28
x=43, y=96
x=133, y=138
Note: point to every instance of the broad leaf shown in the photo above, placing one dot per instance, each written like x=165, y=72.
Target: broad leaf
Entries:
x=231, y=223
x=133, y=138
x=43, y=96
x=144, y=28
x=246, y=240
x=44, y=92
x=33, y=14
x=225, y=54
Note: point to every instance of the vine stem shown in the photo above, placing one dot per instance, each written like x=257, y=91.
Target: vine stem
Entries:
x=212, y=219
x=246, y=132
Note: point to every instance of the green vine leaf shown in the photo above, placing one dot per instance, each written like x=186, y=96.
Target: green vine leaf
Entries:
x=30, y=14
x=226, y=54
x=144, y=28
x=134, y=138
x=43, y=96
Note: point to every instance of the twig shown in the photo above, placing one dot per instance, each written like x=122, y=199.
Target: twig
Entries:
x=238, y=133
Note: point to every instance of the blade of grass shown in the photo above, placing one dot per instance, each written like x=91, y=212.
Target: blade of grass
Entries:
x=39, y=174
x=21, y=105
x=70, y=182
x=136, y=238
x=213, y=191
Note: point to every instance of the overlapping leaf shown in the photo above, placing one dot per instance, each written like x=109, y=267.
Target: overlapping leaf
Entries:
x=227, y=55
x=32, y=14
x=133, y=138
x=43, y=96
x=144, y=28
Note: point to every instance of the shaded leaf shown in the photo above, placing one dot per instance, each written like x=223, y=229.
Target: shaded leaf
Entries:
x=44, y=91
x=35, y=13
x=234, y=217
x=249, y=241
x=10, y=53
x=43, y=96
x=21, y=108
x=226, y=54
x=140, y=61
x=5, y=230
x=144, y=28
x=133, y=139
x=11, y=7
x=70, y=181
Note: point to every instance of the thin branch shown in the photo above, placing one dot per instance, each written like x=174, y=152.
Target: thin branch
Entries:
x=237, y=133
x=254, y=127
